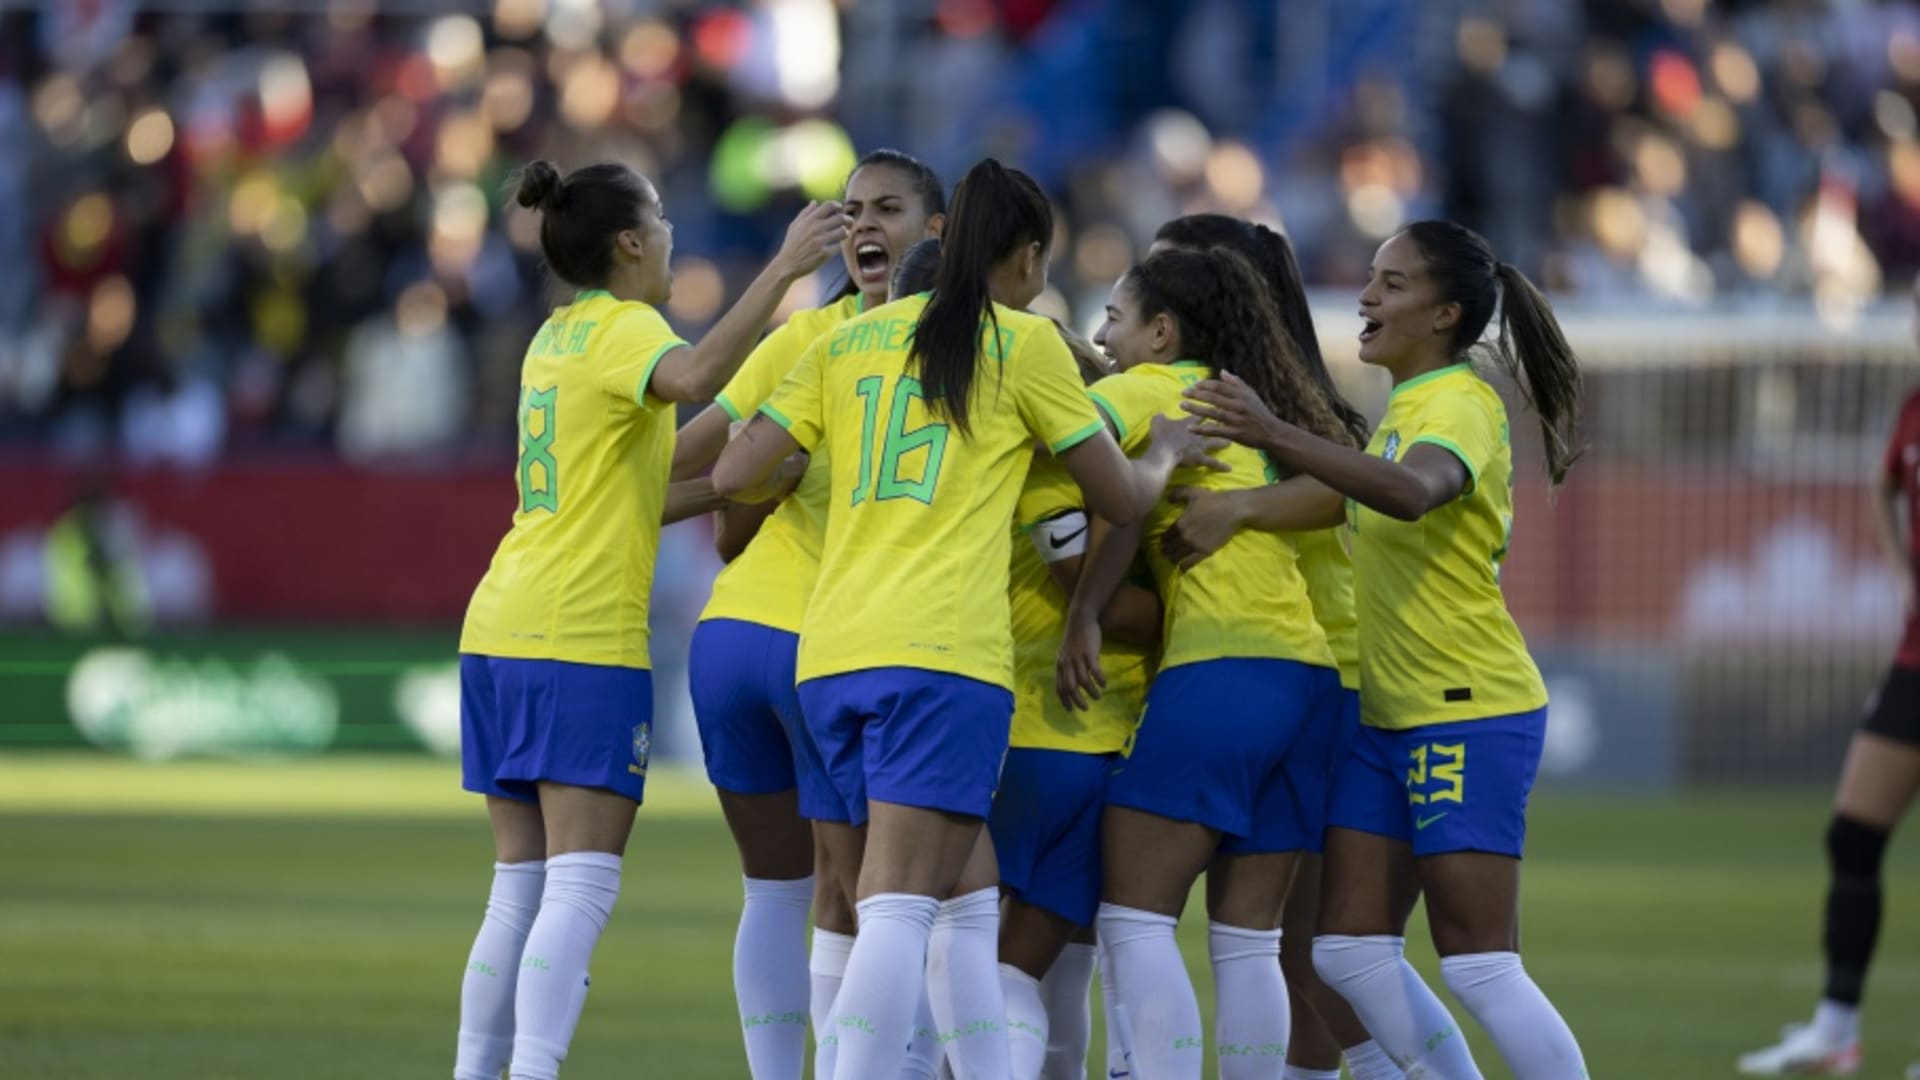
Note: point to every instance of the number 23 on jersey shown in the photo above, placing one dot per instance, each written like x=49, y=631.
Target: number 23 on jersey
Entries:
x=899, y=448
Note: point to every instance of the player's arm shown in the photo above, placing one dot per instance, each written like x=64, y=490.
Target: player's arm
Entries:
x=1427, y=476
x=736, y=524
x=1122, y=490
x=689, y=498
x=698, y=372
x=699, y=441
x=1132, y=616
x=1211, y=518
x=1110, y=551
x=749, y=468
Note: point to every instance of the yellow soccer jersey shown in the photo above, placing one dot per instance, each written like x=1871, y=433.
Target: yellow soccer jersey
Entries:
x=1040, y=621
x=571, y=579
x=1247, y=600
x=913, y=572
x=1436, y=641
x=1328, y=568
x=768, y=583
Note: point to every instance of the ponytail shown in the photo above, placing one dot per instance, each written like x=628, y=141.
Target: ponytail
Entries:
x=1531, y=342
x=996, y=210
x=1530, y=347
x=1272, y=255
x=1227, y=320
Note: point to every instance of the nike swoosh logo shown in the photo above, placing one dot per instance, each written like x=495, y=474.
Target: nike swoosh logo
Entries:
x=1118, y=1074
x=1421, y=823
x=1059, y=542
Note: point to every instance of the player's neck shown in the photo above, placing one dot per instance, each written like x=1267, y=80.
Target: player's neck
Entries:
x=1421, y=363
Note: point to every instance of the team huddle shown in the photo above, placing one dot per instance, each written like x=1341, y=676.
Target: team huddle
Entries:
x=1019, y=636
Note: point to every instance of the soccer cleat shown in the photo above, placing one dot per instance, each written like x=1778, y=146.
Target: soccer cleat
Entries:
x=1802, y=1051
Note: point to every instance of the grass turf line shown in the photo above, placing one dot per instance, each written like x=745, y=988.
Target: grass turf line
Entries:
x=310, y=920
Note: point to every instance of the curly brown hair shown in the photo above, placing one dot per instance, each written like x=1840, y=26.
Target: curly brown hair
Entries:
x=1227, y=320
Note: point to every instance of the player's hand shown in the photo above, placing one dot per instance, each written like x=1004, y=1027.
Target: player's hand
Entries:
x=1183, y=441
x=787, y=475
x=1077, y=675
x=1228, y=408
x=1209, y=521
x=812, y=239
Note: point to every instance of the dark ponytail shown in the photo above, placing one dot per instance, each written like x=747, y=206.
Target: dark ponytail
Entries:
x=996, y=211
x=1272, y=255
x=580, y=216
x=1227, y=320
x=1530, y=347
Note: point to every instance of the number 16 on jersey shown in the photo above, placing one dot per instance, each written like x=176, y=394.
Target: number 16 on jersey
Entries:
x=898, y=443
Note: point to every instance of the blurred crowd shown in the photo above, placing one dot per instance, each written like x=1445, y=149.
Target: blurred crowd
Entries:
x=234, y=227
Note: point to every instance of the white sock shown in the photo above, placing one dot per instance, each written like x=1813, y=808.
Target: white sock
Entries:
x=493, y=969
x=770, y=976
x=1069, y=1013
x=1368, y=1062
x=828, y=965
x=873, y=1016
x=1168, y=1040
x=924, y=1059
x=1524, y=1025
x=1837, y=1022
x=1397, y=1008
x=963, y=984
x=581, y=889
x=1119, y=1032
x=1251, y=1021
x=1026, y=1022
x=1295, y=1072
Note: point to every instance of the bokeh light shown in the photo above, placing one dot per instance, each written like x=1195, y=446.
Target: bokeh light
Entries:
x=518, y=20
x=507, y=99
x=573, y=24
x=111, y=309
x=590, y=93
x=150, y=137
x=1759, y=243
x=650, y=50
x=698, y=291
x=421, y=309
x=456, y=48
x=1103, y=254
x=806, y=51
x=1179, y=143
x=464, y=145
x=1236, y=176
x=1735, y=73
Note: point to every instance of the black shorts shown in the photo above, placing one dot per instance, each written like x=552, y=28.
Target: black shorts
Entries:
x=1895, y=711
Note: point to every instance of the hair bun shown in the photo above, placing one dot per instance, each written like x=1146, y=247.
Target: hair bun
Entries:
x=539, y=186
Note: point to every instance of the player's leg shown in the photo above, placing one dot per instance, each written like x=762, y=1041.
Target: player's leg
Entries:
x=740, y=674
x=1368, y=887
x=493, y=964
x=963, y=969
x=1324, y=1028
x=929, y=748
x=1046, y=830
x=1245, y=894
x=1149, y=864
x=1469, y=783
x=1877, y=786
x=485, y=1041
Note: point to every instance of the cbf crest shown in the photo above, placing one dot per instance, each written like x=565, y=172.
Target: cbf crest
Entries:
x=1392, y=448
x=642, y=746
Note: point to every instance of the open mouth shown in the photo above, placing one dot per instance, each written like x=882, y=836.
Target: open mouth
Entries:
x=1369, y=327
x=871, y=262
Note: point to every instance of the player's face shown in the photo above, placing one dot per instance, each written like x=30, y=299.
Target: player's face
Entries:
x=1127, y=339
x=1400, y=309
x=651, y=248
x=889, y=217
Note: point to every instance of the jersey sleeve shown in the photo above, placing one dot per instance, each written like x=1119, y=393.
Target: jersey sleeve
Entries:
x=798, y=404
x=631, y=350
x=1470, y=426
x=1129, y=403
x=1048, y=493
x=1052, y=399
x=764, y=368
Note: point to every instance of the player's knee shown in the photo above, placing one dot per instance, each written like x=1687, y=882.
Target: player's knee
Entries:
x=1854, y=849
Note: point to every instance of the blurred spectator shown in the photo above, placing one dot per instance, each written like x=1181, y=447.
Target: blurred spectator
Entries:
x=231, y=230
x=93, y=576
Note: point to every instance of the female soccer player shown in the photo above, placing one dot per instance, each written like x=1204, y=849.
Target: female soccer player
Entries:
x=1433, y=795
x=930, y=408
x=742, y=654
x=1322, y=1022
x=1877, y=785
x=555, y=692
x=1227, y=774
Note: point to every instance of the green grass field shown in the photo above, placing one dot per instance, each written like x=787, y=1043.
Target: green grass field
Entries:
x=311, y=921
